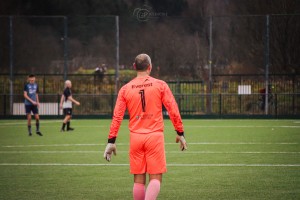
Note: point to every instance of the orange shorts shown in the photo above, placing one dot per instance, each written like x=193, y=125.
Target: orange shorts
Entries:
x=147, y=153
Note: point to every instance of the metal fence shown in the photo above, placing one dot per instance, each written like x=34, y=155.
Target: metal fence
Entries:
x=193, y=97
x=105, y=83
x=204, y=61
x=190, y=105
x=54, y=83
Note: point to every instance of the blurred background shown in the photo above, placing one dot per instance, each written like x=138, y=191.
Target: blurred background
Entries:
x=217, y=56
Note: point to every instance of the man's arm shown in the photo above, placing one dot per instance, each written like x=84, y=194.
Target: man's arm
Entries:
x=119, y=111
x=37, y=96
x=27, y=97
x=61, y=101
x=172, y=108
x=118, y=115
x=37, y=100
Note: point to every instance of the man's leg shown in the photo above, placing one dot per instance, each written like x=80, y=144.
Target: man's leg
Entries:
x=67, y=121
x=68, y=125
x=29, y=123
x=139, y=186
x=67, y=118
x=37, y=124
x=153, y=186
x=156, y=164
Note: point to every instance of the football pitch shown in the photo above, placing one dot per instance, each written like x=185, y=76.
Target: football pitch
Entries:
x=226, y=159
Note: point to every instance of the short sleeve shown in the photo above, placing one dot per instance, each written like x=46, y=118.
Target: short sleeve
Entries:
x=25, y=87
x=67, y=93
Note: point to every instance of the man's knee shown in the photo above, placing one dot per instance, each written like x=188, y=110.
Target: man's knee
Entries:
x=156, y=176
x=140, y=178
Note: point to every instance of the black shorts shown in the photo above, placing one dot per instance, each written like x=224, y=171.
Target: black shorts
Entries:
x=31, y=108
x=67, y=111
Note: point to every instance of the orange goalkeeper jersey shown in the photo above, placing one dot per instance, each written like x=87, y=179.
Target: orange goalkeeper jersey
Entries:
x=143, y=97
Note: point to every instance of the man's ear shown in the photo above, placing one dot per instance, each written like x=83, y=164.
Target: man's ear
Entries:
x=134, y=66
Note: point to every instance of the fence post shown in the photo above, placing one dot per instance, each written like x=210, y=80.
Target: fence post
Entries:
x=178, y=92
x=11, y=63
x=267, y=63
x=4, y=105
x=293, y=99
x=65, y=48
x=58, y=104
x=210, y=63
x=112, y=104
x=220, y=104
x=240, y=102
x=44, y=82
x=275, y=104
x=117, y=55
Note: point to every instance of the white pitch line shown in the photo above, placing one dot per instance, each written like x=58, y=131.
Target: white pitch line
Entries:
x=169, y=152
x=234, y=165
x=242, y=152
x=196, y=126
x=169, y=165
x=126, y=144
x=200, y=126
x=193, y=126
x=48, y=152
x=239, y=143
x=166, y=126
x=59, y=164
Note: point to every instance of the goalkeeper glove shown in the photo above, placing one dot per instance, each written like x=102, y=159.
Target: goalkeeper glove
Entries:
x=110, y=149
x=180, y=138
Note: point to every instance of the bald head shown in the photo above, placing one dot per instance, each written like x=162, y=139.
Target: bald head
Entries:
x=68, y=84
x=142, y=62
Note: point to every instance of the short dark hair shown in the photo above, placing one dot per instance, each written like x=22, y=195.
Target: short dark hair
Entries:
x=142, y=62
x=31, y=75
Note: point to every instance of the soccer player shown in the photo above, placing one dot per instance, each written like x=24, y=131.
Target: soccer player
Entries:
x=143, y=98
x=32, y=103
x=66, y=104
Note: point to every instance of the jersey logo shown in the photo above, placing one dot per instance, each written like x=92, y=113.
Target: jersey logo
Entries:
x=141, y=85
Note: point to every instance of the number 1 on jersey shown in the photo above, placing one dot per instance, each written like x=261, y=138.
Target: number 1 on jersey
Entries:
x=142, y=93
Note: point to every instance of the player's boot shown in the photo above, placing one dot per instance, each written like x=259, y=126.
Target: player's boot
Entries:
x=29, y=130
x=63, y=127
x=39, y=133
x=70, y=129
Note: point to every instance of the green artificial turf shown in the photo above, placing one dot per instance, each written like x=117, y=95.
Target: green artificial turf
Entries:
x=226, y=159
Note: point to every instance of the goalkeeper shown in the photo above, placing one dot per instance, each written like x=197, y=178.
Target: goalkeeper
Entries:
x=143, y=97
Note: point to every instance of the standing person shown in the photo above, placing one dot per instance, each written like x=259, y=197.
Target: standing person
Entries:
x=263, y=96
x=143, y=97
x=32, y=103
x=66, y=104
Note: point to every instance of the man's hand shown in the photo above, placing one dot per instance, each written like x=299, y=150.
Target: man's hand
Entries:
x=180, y=138
x=110, y=148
